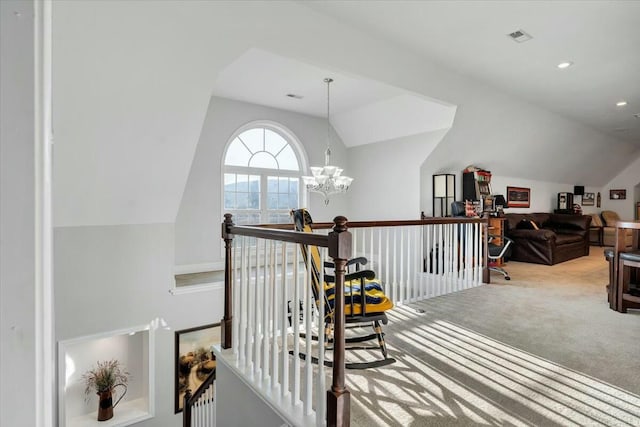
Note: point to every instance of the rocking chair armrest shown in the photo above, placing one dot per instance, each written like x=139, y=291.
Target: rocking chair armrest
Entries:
x=356, y=275
x=358, y=261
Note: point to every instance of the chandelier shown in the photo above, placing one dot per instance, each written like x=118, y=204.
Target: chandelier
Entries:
x=327, y=179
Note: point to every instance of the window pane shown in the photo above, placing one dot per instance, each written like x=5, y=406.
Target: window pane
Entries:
x=237, y=154
x=293, y=185
x=293, y=200
x=229, y=200
x=279, y=218
x=283, y=201
x=263, y=160
x=272, y=184
x=284, y=185
x=273, y=142
x=242, y=200
x=254, y=183
x=253, y=139
x=242, y=183
x=229, y=182
x=254, y=201
x=246, y=218
x=287, y=159
x=272, y=201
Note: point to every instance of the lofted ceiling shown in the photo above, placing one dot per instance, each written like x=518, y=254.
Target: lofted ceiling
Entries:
x=132, y=81
x=363, y=111
x=601, y=38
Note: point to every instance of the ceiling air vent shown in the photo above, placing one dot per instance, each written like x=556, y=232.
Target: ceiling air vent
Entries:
x=637, y=115
x=520, y=36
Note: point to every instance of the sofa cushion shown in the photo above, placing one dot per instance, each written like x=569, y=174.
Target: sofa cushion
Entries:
x=563, y=239
x=596, y=221
x=540, y=219
x=527, y=224
x=610, y=218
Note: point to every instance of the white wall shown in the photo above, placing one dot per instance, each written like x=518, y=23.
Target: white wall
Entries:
x=198, y=238
x=628, y=179
x=17, y=219
x=115, y=277
x=387, y=177
x=238, y=405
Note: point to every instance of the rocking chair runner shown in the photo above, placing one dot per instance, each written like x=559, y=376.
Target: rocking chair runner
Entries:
x=365, y=301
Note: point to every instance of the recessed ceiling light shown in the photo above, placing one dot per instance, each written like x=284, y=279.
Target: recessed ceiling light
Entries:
x=565, y=64
x=294, y=96
x=621, y=103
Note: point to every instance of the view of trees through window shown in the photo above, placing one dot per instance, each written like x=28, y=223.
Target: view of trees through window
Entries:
x=261, y=177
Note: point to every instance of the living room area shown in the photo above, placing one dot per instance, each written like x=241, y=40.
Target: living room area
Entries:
x=148, y=98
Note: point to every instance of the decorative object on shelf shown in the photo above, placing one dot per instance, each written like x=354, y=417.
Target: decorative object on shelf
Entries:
x=588, y=199
x=444, y=191
x=565, y=201
x=194, y=359
x=103, y=379
x=617, y=194
x=598, y=200
x=476, y=183
x=518, y=197
x=327, y=179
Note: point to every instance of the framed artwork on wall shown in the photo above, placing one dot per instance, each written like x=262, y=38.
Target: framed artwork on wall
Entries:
x=194, y=359
x=518, y=197
x=588, y=199
x=617, y=194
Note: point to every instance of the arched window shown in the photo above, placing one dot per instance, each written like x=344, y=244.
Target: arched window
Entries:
x=262, y=169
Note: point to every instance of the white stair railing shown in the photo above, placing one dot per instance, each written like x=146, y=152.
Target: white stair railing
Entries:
x=271, y=325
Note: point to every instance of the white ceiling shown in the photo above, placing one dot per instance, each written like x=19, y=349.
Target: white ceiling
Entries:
x=602, y=38
x=363, y=111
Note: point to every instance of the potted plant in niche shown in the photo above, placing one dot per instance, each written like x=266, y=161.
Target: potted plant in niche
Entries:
x=103, y=380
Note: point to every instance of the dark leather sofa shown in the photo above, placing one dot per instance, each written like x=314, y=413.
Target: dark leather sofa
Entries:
x=558, y=239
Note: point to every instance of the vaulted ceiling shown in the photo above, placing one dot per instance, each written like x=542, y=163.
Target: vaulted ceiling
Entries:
x=600, y=38
x=132, y=80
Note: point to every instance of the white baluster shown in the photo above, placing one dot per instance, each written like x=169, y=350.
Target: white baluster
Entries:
x=295, y=322
x=321, y=388
x=284, y=346
x=308, y=369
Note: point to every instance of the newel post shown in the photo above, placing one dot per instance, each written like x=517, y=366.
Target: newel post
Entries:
x=225, y=323
x=486, y=274
x=338, y=397
x=186, y=408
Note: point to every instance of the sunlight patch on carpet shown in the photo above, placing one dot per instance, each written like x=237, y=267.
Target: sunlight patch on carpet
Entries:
x=448, y=374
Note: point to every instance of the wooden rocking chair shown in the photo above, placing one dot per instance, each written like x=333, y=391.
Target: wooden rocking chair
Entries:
x=365, y=301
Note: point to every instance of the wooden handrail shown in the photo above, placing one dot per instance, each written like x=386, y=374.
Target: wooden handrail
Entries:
x=191, y=399
x=389, y=223
x=281, y=235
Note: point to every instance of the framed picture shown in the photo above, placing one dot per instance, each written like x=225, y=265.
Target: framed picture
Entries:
x=588, y=199
x=617, y=194
x=194, y=359
x=518, y=197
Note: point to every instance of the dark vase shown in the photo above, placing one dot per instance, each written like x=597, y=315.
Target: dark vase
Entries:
x=106, y=405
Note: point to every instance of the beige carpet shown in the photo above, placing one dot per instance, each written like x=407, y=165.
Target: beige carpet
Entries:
x=542, y=349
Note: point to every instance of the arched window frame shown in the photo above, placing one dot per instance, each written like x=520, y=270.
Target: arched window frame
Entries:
x=263, y=214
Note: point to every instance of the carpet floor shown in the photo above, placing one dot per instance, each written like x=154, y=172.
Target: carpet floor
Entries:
x=543, y=349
